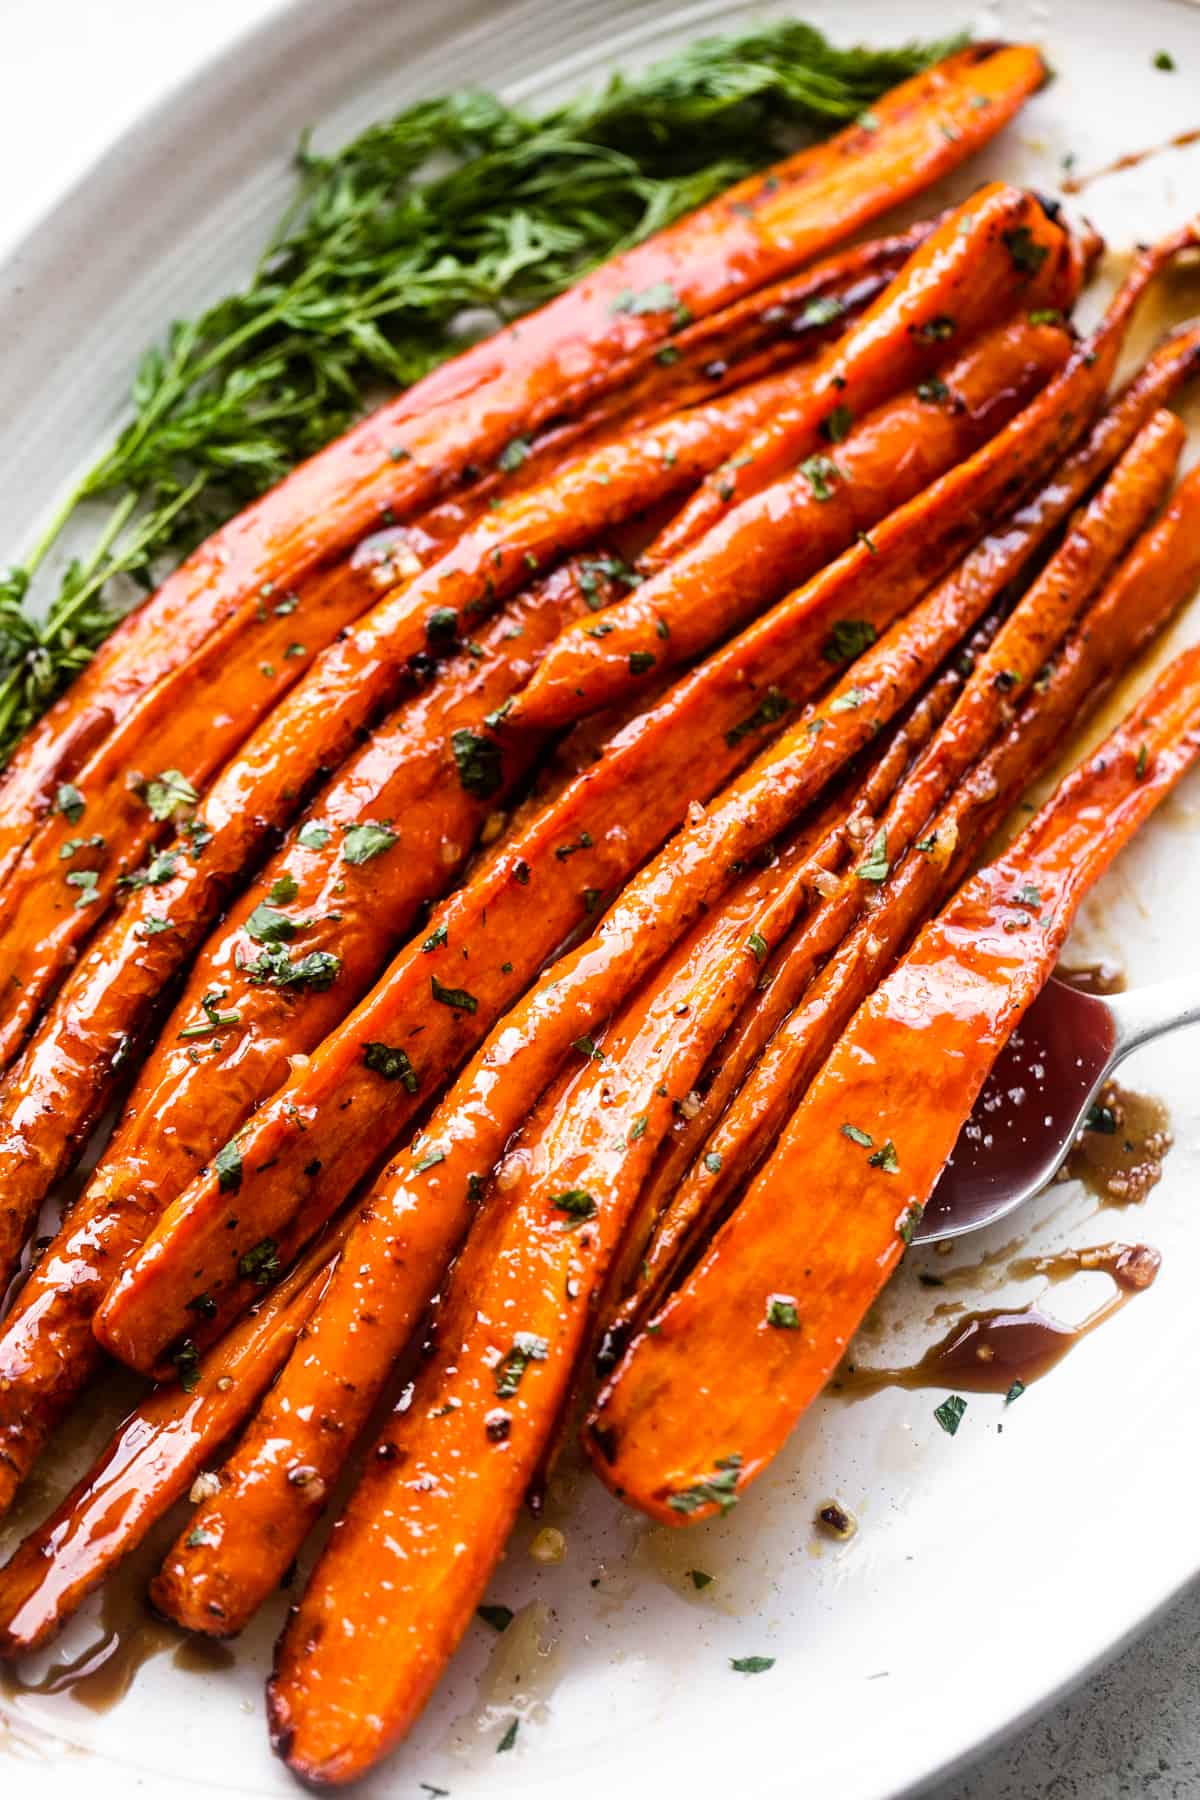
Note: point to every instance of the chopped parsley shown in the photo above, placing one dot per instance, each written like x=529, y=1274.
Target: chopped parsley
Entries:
x=86, y=880
x=390, y=1061
x=577, y=1203
x=850, y=701
x=479, y=763
x=949, y=1413
x=458, y=998
x=821, y=474
x=363, y=842
x=712, y=1162
x=213, y=1018
x=510, y=1736
x=823, y=310
x=752, y=1665
x=876, y=867
x=1026, y=253
x=885, y=1158
x=527, y=1347
x=187, y=1365
x=313, y=836
x=660, y=296
x=835, y=428
x=640, y=662
x=228, y=1166
x=267, y=925
x=718, y=1489
x=260, y=1264
x=498, y=1617
x=756, y=943
x=441, y=626
x=1014, y=1392
x=771, y=707
x=782, y=1313
x=69, y=802
x=858, y=1136
x=164, y=794
x=699, y=1578
x=514, y=454
x=435, y=940
x=283, y=890
x=318, y=970
x=848, y=639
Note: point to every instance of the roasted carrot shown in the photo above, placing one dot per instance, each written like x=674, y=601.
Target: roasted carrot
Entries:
x=191, y=1249
x=45, y=912
x=274, y=1485
x=1157, y=576
x=508, y=1337
x=780, y=536
x=149, y=1463
x=297, y=952
x=580, y=345
x=825, y=1222
x=996, y=251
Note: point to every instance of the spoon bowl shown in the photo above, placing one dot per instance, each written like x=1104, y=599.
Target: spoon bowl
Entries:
x=1038, y=1096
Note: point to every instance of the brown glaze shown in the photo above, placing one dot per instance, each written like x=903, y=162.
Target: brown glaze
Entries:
x=1132, y=159
x=986, y=1351
x=1119, y=1156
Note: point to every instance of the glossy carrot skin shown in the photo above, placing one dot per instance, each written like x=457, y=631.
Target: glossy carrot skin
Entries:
x=997, y=251
x=191, y=1250
x=393, y=1260
x=778, y=537
x=41, y=920
x=577, y=347
x=824, y=1224
x=215, y=1060
x=1154, y=580
x=150, y=1462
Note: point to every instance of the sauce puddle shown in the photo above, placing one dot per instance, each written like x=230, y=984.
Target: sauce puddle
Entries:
x=1118, y=1156
x=987, y=1351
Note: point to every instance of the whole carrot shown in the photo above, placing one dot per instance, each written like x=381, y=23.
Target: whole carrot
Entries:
x=401, y=459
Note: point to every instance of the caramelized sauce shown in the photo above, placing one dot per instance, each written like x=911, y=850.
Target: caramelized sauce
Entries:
x=1133, y=159
x=985, y=1352
x=1120, y=1165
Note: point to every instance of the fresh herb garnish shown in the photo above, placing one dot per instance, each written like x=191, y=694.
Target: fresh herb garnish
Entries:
x=700, y=1578
x=313, y=836
x=772, y=706
x=1014, y=1392
x=848, y=639
x=876, y=866
x=756, y=943
x=260, y=1264
x=267, y=925
x=318, y=970
x=752, y=1665
x=718, y=1489
x=1026, y=253
x=835, y=429
x=213, y=1017
x=510, y=1736
x=498, y=1617
x=577, y=1203
x=885, y=1158
x=949, y=1413
x=858, y=1136
x=228, y=1166
x=712, y=1162
x=527, y=1347
x=187, y=1365
x=782, y=1313
x=164, y=794
x=822, y=474
x=364, y=842
x=458, y=998
x=390, y=1061
x=479, y=762
x=69, y=802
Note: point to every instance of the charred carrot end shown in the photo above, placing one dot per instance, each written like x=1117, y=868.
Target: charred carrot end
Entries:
x=671, y=1433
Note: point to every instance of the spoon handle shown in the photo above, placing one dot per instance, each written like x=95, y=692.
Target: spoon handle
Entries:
x=1148, y=1012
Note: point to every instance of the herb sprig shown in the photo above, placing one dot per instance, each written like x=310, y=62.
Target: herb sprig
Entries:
x=378, y=271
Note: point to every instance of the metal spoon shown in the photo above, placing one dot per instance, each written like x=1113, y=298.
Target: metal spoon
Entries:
x=1038, y=1095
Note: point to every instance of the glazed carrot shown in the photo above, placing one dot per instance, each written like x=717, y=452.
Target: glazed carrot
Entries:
x=781, y=535
x=150, y=1462
x=1155, y=579
x=250, y=1531
x=45, y=912
x=580, y=345
x=335, y=902
x=509, y=1334
x=825, y=1222
x=191, y=1250
x=996, y=251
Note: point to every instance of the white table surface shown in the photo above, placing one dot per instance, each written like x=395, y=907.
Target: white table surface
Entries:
x=78, y=72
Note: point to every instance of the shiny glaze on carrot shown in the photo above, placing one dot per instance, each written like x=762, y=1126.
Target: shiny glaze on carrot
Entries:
x=150, y=1461
x=1159, y=574
x=777, y=538
x=573, y=349
x=826, y=1220
x=997, y=251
